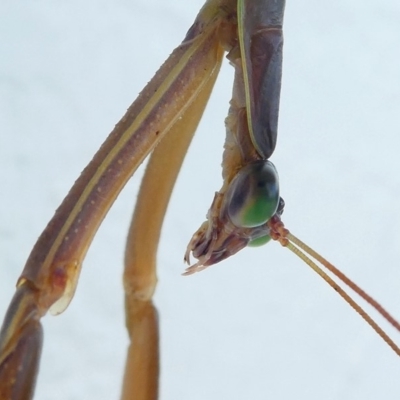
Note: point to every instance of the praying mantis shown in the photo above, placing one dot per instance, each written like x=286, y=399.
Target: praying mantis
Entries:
x=220, y=294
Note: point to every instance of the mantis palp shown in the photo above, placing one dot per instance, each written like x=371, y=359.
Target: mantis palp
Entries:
x=311, y=198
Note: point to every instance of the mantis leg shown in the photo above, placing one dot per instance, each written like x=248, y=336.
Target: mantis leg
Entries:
x=141, y=375
x=51, y=273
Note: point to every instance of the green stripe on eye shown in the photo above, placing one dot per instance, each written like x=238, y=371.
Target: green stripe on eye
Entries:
x=259, y=210
x=259, y=241
x=253, y=195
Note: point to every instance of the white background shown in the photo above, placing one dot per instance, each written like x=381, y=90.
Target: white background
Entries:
x=259, y=325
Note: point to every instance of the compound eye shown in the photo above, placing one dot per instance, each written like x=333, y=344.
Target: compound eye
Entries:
x=259, y=241
x=253, y=195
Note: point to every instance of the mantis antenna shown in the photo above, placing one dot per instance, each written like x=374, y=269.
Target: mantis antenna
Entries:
x=279, y=233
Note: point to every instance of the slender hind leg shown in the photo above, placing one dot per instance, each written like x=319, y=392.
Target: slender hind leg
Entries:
x=142, y=365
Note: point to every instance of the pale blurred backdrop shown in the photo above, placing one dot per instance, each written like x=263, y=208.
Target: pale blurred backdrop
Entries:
x=259, y=325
